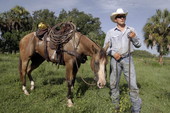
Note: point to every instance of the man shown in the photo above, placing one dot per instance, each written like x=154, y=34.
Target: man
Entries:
x=122, y=38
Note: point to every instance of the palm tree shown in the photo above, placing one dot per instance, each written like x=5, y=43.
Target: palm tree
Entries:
x=13, y=25
x=20, y=18
x=157, y=32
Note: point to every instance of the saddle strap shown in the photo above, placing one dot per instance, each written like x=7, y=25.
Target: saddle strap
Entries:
x=59, y=53
x=45, y=48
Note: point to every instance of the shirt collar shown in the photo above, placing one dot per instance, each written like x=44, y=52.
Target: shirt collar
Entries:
x=116, y=28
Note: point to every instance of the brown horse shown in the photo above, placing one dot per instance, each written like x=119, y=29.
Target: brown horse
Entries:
x=76, y=49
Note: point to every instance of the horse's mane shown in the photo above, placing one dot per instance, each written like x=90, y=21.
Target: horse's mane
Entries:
x=102, y=52
x=90, y=40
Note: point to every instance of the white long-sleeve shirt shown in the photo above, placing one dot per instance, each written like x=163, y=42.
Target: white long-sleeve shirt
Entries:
x=119, y=41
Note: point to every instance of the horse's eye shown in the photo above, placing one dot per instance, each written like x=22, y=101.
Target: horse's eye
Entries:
x=96, y=66
x=96, y=63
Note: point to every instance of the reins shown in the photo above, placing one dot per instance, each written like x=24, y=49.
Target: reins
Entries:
x=72, y=53
x=57, y=39
x=75, y=47
x=90, y=84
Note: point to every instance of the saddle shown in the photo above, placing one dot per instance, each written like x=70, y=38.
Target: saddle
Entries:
x=57, y=36
x=41, y=32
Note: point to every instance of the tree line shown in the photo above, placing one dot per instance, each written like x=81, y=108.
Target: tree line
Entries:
x=17, y=22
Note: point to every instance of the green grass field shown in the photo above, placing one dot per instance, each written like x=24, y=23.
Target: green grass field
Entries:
x=51, y=89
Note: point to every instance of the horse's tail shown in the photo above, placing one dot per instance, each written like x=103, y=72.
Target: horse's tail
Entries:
x=20, y=67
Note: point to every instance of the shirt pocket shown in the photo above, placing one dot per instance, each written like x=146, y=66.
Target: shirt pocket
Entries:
x=116, y=42
x=115, y=38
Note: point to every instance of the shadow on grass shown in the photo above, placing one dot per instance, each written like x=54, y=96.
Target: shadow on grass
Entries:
x=167, y=94
x=80, y=88
x=83, y=87
x=54, y=81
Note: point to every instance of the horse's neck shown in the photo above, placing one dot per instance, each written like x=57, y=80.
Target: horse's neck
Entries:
x=87, y=46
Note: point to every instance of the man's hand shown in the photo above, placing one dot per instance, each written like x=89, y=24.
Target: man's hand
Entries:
x=131, y=34
x=117, y=56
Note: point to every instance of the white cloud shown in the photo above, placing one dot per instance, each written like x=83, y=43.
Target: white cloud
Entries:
x=105, y=6
x=53, y=5
x=33, y=5
x=111, y=5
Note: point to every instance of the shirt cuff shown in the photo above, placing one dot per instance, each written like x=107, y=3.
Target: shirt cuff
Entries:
x=112, y=53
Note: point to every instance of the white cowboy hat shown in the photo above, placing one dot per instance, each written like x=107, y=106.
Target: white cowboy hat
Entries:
x=118, y=11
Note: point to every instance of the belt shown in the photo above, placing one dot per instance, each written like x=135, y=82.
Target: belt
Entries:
x=125, y=56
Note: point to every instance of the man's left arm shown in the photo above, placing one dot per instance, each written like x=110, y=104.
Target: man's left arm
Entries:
x=135, y=40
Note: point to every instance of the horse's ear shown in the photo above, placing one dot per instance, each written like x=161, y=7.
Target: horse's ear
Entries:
x=106, y=46
x=94, y=49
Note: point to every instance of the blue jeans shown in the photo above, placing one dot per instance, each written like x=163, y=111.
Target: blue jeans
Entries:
x=116, y=68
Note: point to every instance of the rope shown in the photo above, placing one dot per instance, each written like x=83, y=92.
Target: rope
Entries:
x=83, y=78
x=75, y=47
x=129, y=64
x=61, y=41
x=59, y=37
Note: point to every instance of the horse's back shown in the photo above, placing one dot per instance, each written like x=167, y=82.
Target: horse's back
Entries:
x=27, y=37
x=27, y=44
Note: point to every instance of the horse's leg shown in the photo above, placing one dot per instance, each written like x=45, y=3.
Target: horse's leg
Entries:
x=71, y=71
x=36, y=61
x=27, y=48
x=23, y=64
x=76, y=66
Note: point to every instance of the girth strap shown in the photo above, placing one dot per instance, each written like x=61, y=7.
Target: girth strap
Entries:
x=45, y=48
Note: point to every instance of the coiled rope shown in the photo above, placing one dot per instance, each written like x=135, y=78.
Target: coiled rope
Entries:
x=61, y=34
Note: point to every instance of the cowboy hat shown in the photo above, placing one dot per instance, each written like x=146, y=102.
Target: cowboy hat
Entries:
x=118, y=12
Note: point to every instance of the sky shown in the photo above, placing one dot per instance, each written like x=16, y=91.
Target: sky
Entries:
x=138, y=10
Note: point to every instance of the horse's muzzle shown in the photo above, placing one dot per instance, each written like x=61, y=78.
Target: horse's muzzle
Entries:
x=101, y=84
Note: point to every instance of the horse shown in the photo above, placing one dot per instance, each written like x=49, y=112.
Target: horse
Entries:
x=74, y=53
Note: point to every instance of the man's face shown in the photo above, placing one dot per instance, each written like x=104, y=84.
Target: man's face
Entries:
x=120, y=19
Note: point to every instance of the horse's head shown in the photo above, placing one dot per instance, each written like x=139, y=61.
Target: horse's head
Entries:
x=98, y=65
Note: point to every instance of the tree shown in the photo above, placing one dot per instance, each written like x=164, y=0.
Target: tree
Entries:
x=157, y=32
x=85, y=23
x=16, y=19
x=45, y=16
x=13, y=24
x=21, y=19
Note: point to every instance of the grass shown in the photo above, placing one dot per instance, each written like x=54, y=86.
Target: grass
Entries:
x=51, y=89
x=154, y=81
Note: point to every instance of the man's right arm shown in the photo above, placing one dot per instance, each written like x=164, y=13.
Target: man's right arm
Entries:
x=110, y=51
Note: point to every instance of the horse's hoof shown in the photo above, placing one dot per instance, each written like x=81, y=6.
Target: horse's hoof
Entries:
x=32, y=85
x=69, y=103
x=32, y=88
x=26, y=93
x=25, y=90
